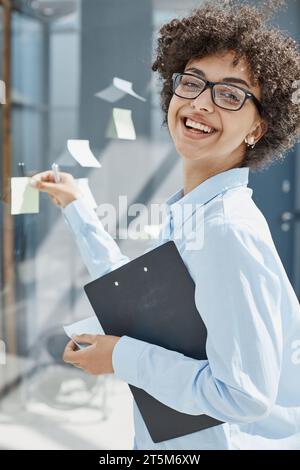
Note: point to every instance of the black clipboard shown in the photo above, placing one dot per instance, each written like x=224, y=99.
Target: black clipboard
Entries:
x=151, y=298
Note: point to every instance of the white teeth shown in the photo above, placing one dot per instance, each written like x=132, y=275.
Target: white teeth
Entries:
x=198, y=125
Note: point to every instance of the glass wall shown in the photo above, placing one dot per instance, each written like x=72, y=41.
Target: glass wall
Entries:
x=61, y=55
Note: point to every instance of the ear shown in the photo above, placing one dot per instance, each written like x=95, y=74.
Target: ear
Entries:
x=260, y=130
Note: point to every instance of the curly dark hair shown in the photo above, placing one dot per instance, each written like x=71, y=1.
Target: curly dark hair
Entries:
x=272, y=56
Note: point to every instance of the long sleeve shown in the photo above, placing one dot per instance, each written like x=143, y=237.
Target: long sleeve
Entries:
x=238, y=296
x=99, y=251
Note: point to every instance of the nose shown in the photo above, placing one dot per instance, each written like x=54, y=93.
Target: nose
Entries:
x=203, y=101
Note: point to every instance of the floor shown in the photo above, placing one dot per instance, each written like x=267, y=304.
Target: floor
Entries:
x=62, y=408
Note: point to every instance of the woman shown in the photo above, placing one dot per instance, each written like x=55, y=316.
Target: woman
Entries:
x=230, y=106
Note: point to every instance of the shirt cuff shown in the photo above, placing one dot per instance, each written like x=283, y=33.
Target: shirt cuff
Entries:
x=78, y=213
x=125, y=359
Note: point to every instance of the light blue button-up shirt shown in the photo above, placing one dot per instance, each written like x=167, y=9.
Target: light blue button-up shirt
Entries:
x=251, y=379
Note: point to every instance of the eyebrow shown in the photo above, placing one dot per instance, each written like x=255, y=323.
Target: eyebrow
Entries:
x=225, y=79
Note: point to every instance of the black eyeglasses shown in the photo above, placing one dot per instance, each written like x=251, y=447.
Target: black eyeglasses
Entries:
x=226, y=96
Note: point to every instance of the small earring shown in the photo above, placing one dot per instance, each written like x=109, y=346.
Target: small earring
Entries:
x=250, y=144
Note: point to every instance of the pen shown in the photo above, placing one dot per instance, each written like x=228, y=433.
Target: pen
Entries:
x=55, y=169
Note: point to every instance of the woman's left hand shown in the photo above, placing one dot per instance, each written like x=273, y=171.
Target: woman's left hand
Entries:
x=96, y=358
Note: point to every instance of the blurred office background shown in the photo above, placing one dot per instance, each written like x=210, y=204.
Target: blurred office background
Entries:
x=54, y=56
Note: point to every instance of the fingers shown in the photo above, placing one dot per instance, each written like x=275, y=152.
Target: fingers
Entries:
x=44, y=176
x=70, y=346
x=85, y=338
x=77, y=365
x=45, y=179
x=55, y=201
x=71, y=353
x=43, y=186
x=39, y=181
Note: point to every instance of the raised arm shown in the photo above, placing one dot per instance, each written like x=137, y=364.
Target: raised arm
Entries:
x=98, y=249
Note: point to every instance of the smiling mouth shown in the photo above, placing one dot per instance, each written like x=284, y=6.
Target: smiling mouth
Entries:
x=195, y=130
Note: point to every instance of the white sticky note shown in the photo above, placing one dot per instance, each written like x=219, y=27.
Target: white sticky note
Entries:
x=80, y=150
x=83, y=184
x=2, y=92
x=2, y=353
x=117, y=90
x=24, y=198
x=90, y=326
x=126, y=87
x=120, y=125
x=110, y=94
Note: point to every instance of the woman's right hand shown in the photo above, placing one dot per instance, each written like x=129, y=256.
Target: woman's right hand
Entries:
x=62, y=193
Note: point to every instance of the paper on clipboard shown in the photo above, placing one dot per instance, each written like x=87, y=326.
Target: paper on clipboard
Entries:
x=90, y=326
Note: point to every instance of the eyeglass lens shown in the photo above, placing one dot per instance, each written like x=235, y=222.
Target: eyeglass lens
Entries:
x=226, y=96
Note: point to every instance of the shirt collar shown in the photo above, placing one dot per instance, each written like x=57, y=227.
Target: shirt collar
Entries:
x=206, y=191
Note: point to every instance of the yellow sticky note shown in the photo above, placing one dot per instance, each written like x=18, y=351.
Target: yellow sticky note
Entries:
x=24, y=198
